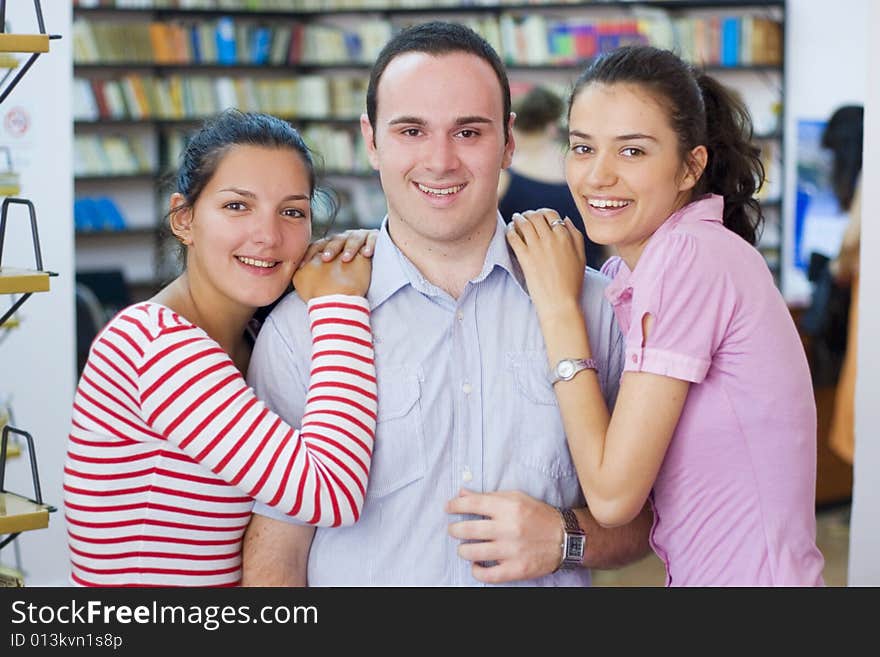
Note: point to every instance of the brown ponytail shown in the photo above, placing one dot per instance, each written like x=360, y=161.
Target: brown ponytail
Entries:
x=734, y=169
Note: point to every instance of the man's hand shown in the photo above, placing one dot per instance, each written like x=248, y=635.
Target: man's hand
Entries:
x=521, y=534
x=524, y=536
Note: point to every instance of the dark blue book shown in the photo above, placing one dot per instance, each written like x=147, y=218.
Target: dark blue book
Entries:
x=195, y=44
x=353, y=46
x=261, y=41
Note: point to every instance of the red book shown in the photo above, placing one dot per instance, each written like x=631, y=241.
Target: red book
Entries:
x=584, y=41
x=297, y=35
x=100, y=100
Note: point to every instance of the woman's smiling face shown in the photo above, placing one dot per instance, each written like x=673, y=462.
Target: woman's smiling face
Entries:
x=251, y=224
x=624, y=165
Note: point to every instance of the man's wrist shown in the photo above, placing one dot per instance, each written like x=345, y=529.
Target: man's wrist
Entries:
x=574, y=541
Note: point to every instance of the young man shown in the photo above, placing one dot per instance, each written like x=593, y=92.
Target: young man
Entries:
x=470, y=456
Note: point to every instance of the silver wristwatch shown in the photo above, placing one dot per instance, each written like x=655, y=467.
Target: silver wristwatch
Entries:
x=574, y=541
x=568, y=367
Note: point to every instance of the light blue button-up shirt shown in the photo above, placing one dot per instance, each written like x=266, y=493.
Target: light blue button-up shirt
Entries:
x=464, y=401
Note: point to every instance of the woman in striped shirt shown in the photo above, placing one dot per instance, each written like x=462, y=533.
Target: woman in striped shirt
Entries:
x=169, y=446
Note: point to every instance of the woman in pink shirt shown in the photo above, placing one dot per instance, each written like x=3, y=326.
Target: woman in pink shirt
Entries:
x=715, y=420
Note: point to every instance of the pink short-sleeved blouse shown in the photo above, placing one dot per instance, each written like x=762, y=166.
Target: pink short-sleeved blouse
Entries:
x=734, y=500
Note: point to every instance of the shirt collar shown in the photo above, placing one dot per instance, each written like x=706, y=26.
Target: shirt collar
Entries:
x=709, y=207
x=392, y=270
x=500, y=255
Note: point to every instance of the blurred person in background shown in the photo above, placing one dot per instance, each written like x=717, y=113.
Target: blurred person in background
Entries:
x=536, y=177
x=843, y=136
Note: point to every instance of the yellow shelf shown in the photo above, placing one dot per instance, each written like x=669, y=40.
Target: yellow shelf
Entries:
x=18, y=514
x=20, y=281
x=24, y=43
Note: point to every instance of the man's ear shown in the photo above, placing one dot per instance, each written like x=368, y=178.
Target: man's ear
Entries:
x=370, y=141
x=695, y=164
x=510, y=146
x=180, y=218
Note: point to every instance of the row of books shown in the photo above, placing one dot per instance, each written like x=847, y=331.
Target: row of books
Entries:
x=716, y=40
x=226, y=41
x=528, y=39
x=95, y=155
x=309, y=5
x=139, y=97
x=336, y=150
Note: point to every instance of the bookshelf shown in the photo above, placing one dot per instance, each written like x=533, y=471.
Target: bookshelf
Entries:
x=148, y=71
x=19, y=513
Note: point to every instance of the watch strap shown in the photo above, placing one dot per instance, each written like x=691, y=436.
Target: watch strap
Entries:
x=580, y=364
x=569, y=519
x=573, y=541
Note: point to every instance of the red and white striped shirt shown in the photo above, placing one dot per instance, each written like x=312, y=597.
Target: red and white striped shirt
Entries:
x=169, y=447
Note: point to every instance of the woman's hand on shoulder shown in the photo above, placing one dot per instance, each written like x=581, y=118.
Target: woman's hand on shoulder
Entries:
x=317, y=278
x=345, y=245
x=551, y=253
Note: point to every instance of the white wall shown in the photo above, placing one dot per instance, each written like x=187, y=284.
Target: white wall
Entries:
x=864, y=555
x=37, y=360
x=824, y=72
x=826, y=66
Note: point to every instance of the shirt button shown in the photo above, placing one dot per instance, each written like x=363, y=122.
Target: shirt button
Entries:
x=460, y=316
x=466, y=474
x=467, y=389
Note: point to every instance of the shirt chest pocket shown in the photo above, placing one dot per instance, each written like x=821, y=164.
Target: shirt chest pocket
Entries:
x=399, y=451
x=539, y=439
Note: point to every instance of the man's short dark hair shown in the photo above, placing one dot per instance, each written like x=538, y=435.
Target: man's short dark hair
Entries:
x=438, y=38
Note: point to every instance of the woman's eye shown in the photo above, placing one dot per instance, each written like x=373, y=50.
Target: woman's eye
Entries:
x=235, y=205
x=581, y=149
x=632, y=151
x=293, y=212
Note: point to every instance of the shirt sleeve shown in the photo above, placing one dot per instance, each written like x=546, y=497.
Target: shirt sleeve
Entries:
x=606, y=341
x=279, y=371
x=615, y=365
x=691, y=302
x=192, y=394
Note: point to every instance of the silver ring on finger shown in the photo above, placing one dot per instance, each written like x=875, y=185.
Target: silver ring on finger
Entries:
x=556, y=222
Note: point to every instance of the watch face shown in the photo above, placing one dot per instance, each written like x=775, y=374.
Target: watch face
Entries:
x=565, y=369
x=575, y=549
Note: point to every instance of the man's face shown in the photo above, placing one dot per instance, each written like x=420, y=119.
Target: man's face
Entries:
x=439, y=146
